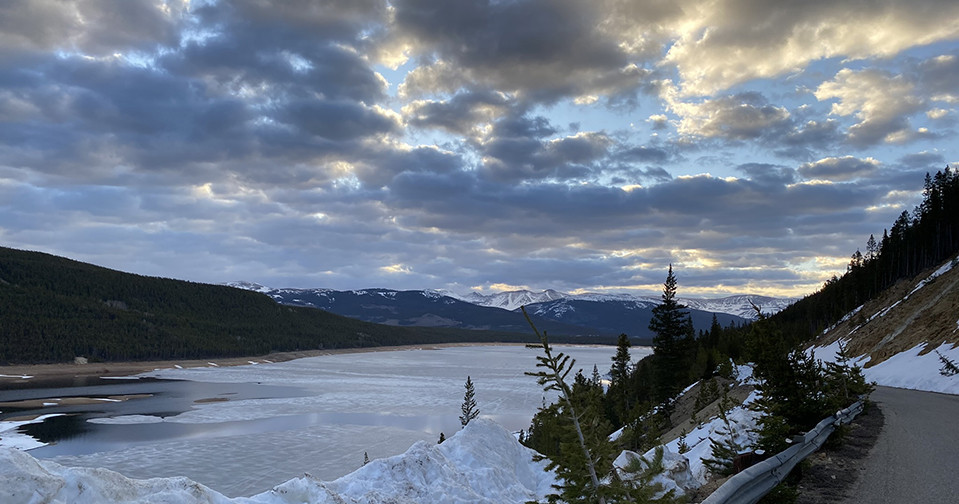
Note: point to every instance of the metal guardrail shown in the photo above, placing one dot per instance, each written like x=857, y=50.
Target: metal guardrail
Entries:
x=756, y=481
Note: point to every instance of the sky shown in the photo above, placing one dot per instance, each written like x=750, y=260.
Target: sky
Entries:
x=469, y=144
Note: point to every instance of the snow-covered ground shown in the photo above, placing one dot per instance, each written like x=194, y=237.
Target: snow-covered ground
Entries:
x=908, y=369
x=383, y=403
x=480, y=464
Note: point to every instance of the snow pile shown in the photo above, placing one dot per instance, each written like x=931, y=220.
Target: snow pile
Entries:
x=483, y=463
x=24, y=479
x=911, y=369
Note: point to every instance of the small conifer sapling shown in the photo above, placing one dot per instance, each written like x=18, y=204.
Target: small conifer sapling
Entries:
x=469, y=404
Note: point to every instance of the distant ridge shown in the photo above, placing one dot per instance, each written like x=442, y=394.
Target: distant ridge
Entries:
x=53, y=309
x=415, y=308
x=589, y=314
x=740, y=305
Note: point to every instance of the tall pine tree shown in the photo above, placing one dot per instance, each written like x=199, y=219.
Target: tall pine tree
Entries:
x=671, y=343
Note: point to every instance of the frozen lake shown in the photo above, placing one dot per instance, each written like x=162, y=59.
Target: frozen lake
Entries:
x=272, y=422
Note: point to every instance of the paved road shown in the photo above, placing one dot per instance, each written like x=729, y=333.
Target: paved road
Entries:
x=916, y=458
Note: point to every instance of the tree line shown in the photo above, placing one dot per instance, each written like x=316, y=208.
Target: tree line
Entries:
x=917, y=241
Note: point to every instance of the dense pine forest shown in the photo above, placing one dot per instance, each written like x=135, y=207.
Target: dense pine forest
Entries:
x=54, y=309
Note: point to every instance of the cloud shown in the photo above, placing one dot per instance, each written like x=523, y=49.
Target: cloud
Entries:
x=938, y=76
x=458, y=115
x=838, y=169
x=93, y=27
x=743, y=116
x=725, y=43
x=803, y=140
x=338, y=120
x=644, y=154
x=923, y=160
x=768, y=174
x=537, y=50
x=879, y=100
x=507, y=158
x=511, y=141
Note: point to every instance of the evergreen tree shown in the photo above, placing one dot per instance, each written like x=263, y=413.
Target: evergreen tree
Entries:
x=949, y=367
x=469, y=404
x=670, y=342
x=620, y=369
x=578, y=465
x=596, y=378
x=618, y=397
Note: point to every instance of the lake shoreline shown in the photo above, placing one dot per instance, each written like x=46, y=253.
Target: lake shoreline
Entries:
x=38, y=373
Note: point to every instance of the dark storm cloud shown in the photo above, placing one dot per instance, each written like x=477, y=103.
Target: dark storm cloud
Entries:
x=542, y=50
x=528, y=158
x=96, y=27
x=459, y=114
x=262, y=88
x=336, y=120
x=557, y=212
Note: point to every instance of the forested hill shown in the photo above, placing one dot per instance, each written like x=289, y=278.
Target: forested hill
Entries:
x=915, y=243
x=53, y=309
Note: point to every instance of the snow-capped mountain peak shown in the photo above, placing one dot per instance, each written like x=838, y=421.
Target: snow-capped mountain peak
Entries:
x=512, y=300
x=250, y=286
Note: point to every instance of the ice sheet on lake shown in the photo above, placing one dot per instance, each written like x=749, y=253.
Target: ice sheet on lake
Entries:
x=127, y=419
x=375, y=395
x=13, y=439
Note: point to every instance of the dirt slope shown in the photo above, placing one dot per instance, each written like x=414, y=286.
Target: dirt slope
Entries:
x=919, y=310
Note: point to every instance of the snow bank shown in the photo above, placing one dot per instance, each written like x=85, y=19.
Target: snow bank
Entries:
x=26, y=480
x=908, y=369
x=483, y=463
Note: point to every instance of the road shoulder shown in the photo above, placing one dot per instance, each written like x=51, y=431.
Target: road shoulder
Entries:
x=830, y=475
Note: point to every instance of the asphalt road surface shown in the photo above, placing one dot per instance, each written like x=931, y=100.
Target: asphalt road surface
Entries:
x=916, y=458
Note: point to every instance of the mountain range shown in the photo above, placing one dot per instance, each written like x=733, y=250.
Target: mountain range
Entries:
x=554, y=311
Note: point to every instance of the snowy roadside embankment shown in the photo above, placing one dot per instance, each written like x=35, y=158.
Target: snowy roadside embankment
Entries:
x=908, y=370
x=483, y=463
x=686, y=471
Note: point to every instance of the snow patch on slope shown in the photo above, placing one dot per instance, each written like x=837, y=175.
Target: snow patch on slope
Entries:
x=916, y=368
x=483, y=463
x=745, y=433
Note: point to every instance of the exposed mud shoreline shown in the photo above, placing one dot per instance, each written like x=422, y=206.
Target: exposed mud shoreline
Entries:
x=36, y=373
